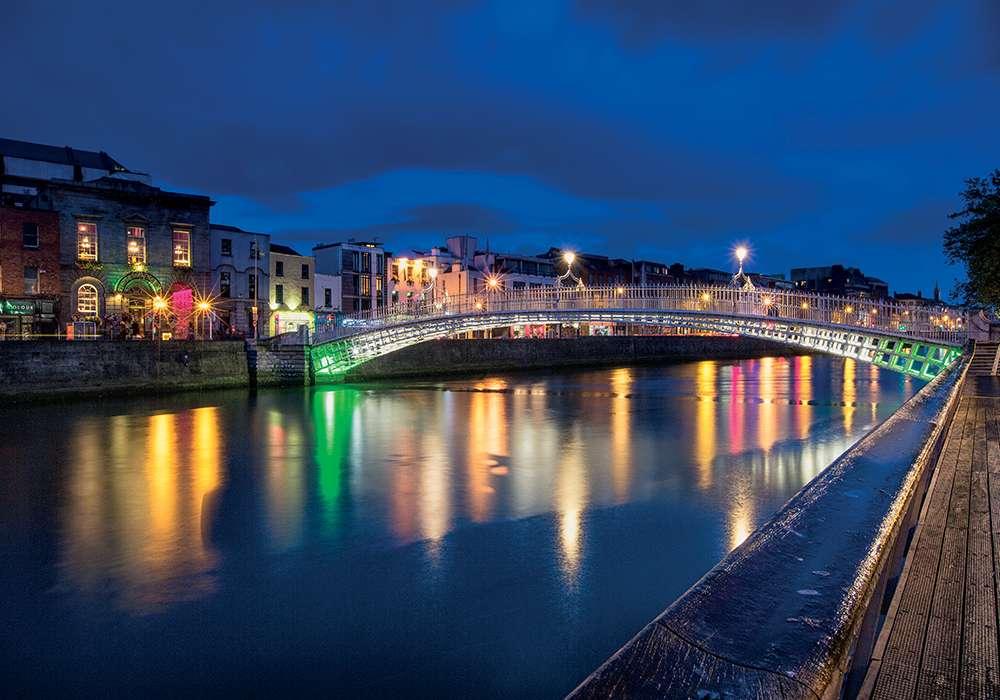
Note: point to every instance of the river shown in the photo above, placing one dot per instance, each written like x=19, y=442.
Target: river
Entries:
x=491, y=537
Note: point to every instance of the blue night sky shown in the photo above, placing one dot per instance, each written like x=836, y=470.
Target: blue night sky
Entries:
x=821, y=132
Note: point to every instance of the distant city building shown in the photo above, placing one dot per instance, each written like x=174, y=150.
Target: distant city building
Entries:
x=594, y=270
x=837, y=279
x=123, y=242
x=461, y=268
x=291, y=291
x=361, y=267
x=29, y=271
x=241, y=275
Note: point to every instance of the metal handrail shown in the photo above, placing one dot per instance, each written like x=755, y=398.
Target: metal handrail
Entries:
x=880, y=315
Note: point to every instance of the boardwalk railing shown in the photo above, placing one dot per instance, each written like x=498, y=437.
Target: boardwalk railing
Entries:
x=793, y=611
x=873, y=315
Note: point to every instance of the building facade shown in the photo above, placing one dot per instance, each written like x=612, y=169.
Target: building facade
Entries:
x=328, y=298
x=291, y=295
x=29, y=271
x=131, y=256
x=460, y=268
x=362, y=268
x=838, y=279
x=241, y=279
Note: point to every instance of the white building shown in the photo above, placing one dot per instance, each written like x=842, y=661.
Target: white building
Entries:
x=328, y=299
x=240, y=278
x=459, y=269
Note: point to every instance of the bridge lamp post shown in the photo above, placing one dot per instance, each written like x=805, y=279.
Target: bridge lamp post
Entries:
x=740, y=279
x=569, y=257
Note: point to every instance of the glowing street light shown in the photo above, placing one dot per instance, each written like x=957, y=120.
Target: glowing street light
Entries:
x=740, y=279
x=706, y=297
x=493, y=282
x=159, y=303
x=569, y=257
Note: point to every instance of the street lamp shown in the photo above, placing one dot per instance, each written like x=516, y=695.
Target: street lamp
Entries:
x=569, y=257
x=204, y=307
x=740, y=279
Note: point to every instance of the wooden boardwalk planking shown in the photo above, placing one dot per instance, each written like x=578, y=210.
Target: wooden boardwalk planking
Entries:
x=942, y=640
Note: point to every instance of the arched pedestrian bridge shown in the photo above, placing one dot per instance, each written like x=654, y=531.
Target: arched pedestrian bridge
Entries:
x=906, y=339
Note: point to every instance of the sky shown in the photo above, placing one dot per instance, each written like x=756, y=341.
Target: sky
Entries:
x=824, y=132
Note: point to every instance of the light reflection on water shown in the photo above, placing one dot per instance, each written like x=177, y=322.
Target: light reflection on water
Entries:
x=461, y=515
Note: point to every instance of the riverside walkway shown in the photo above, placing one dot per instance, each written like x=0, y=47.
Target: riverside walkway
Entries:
x=939, y=639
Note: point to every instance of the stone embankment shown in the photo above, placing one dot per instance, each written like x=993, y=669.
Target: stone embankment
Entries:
x=449, y=357
x=36, y=370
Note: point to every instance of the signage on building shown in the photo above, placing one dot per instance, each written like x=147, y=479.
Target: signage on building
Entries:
x=17, y=307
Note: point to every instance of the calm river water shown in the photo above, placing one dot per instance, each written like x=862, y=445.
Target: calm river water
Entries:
x=494, y=537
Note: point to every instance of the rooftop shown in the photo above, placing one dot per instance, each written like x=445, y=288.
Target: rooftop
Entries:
x=63, y=155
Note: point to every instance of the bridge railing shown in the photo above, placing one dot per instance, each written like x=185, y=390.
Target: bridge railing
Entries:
x=883, y=315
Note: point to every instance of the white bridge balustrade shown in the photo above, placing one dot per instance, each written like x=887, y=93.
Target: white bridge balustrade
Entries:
x=906, y=339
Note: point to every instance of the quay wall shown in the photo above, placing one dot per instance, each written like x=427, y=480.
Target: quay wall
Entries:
x=450, y=357
x=36, y=370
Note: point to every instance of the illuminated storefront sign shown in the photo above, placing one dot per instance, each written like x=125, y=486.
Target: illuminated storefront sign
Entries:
x=17, y=307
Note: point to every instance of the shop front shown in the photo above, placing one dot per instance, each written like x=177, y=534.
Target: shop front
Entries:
x=283, y=321
x=27, y=317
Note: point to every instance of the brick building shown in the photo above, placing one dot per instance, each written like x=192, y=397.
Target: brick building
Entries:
x=29, y=271
x=125, y=246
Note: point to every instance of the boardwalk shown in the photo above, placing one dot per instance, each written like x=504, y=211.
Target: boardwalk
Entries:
x=940, y=635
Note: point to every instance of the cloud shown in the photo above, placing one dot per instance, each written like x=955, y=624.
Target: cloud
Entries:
x=645, y=20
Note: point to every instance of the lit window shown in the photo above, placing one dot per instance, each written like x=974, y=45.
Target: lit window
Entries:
x=136, y=245
x=86, y=241
x=182, y=248
x=86, y=299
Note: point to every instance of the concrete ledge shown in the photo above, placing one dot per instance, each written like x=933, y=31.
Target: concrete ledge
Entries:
x=790, y=611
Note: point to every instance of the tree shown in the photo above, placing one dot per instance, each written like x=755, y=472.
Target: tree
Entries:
x=975, y=241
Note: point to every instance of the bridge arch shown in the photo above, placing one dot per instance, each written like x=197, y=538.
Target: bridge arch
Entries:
x=883, y=333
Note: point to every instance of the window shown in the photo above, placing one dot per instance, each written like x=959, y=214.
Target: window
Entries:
x=252, y=286
x=378, y=284
x=327, y=297
x=86, y=299
x=136, y=246
x=279, y=294
x=227, y=247
x=29, y=235
x=366, y=262
x=225, y=284
x=279, y=268
x=305, y=297
x=182, y=248
x=86, y=241
x=254, y=250
x=366, y=285
x=379, y=263
x=305, y=272
x=31, y=280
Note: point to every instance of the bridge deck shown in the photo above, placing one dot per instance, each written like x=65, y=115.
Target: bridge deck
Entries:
x=940, y=635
